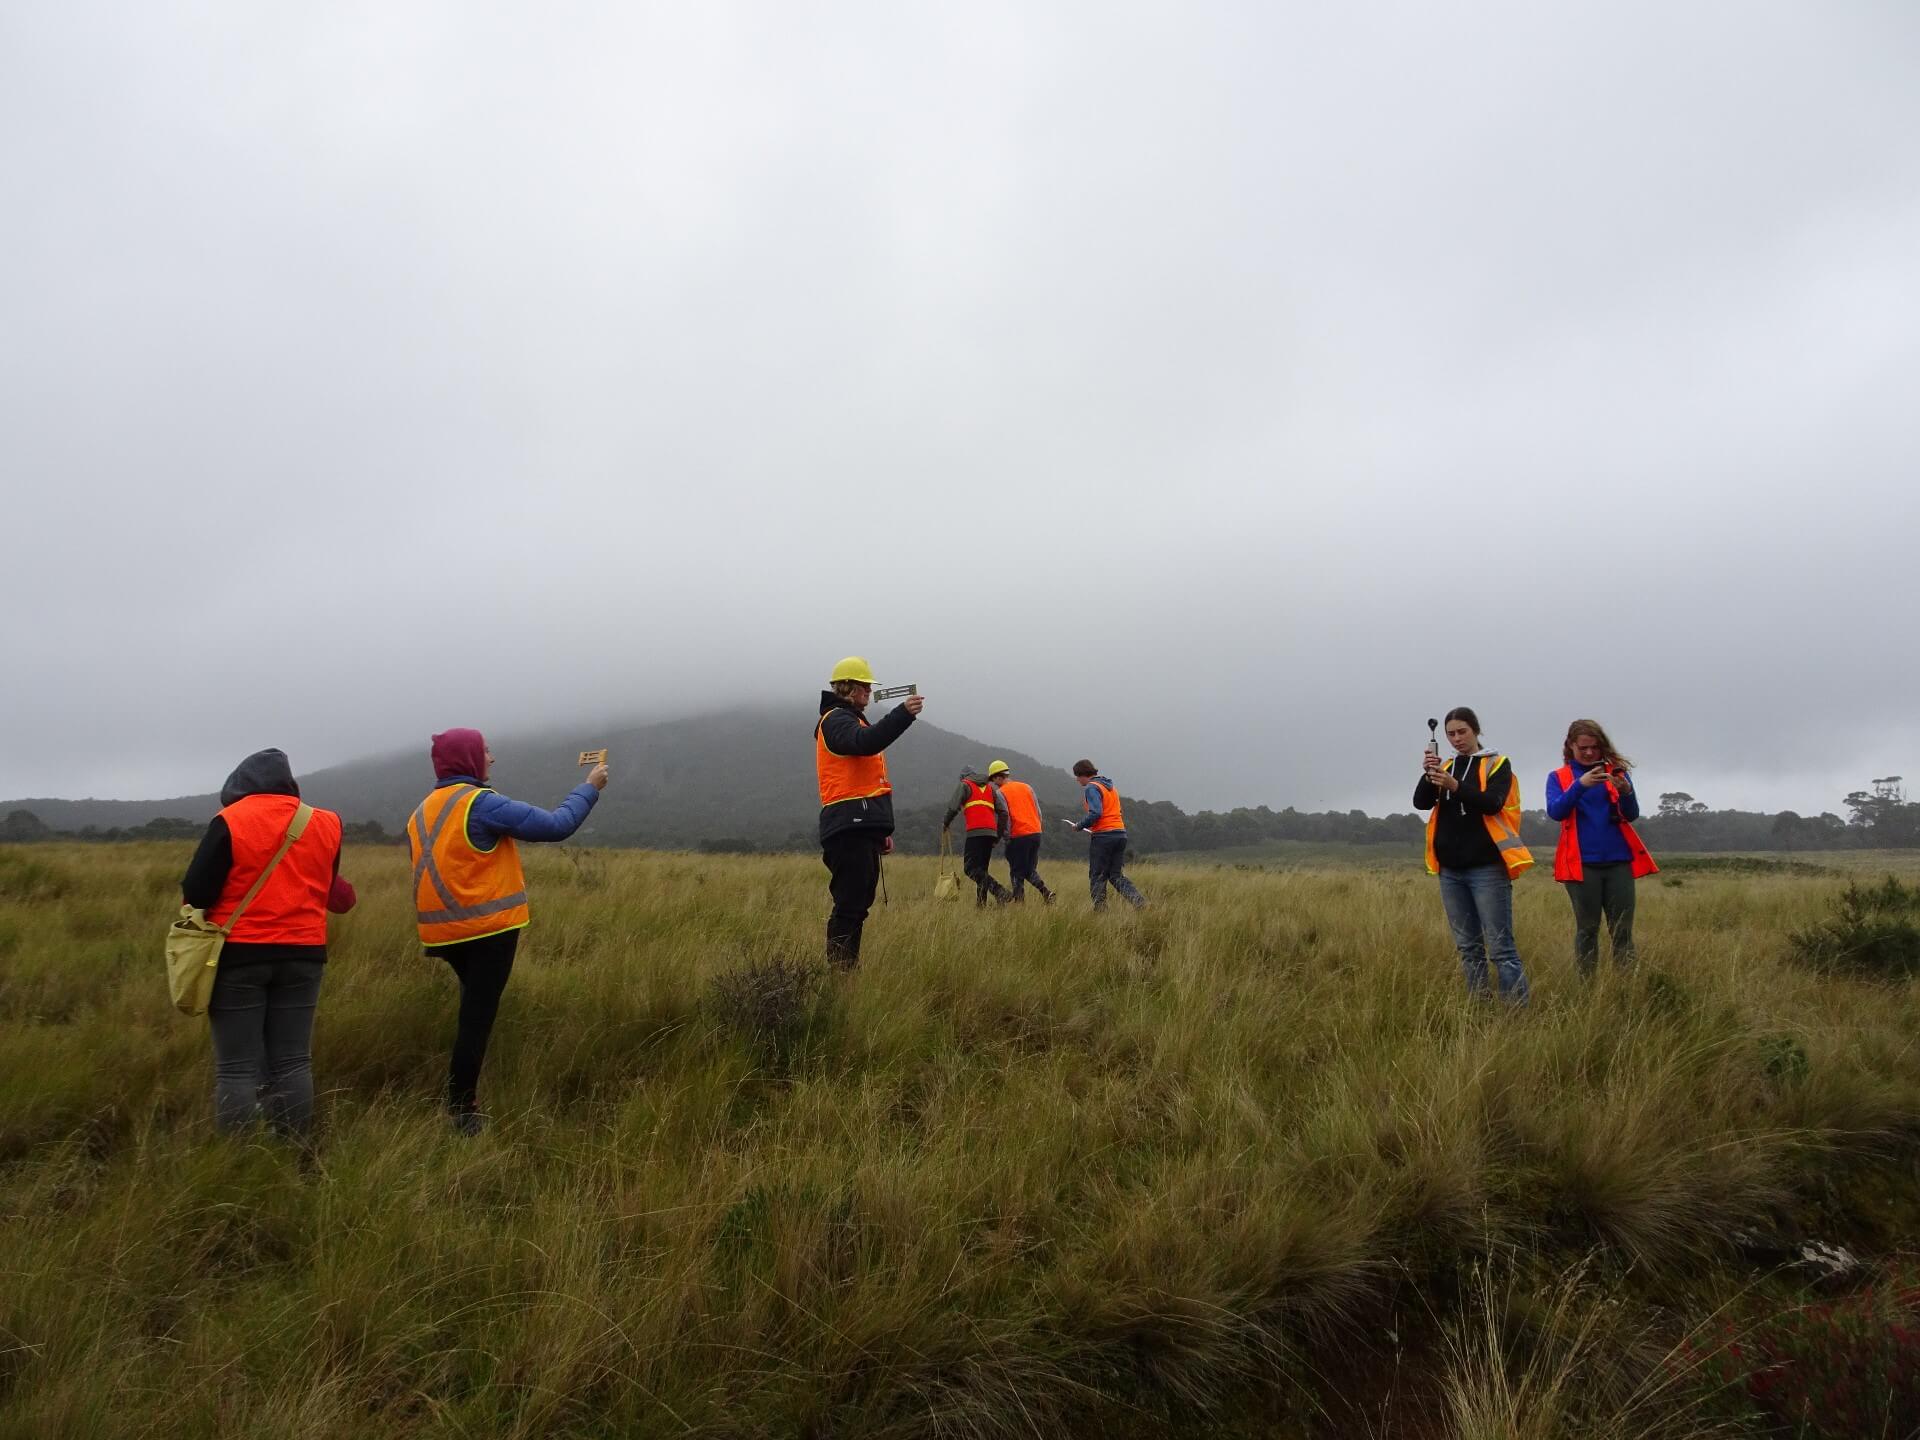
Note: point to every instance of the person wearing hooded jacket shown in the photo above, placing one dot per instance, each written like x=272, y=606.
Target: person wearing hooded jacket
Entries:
x=470, y=895
x=1106, y=827
x=267, y=987
x=856, y=799
x=985, y=809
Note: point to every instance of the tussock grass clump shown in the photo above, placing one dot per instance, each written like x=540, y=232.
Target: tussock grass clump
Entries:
x=769, y=1001
x=1025, y=1172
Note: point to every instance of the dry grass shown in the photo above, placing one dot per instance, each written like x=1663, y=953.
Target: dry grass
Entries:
x=1027, y=1173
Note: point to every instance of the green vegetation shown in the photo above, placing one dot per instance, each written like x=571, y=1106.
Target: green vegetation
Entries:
x=1247, y=1163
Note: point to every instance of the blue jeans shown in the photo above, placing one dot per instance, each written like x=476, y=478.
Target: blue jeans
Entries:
x=1480, y=910
x=261, y=1015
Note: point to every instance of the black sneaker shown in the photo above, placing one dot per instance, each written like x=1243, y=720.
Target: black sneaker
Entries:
x=469, y=1122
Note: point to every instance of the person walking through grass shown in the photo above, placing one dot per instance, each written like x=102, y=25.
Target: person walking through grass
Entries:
x=985, y=812
x=1106, y=827
x=1473, y=845
x=856, y=799
x=1600, y=854
x=470, y=896
x=1023, y=831
x=267, y=987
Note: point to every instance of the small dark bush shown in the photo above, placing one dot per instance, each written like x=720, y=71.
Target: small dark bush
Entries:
x=769, y=1001
x=1739, y=865
x=1872, y=933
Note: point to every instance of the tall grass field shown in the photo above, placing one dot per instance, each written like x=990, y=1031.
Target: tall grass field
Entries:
x=1250, y=1162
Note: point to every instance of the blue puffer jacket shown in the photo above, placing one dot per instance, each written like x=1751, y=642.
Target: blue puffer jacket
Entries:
x=494, y=815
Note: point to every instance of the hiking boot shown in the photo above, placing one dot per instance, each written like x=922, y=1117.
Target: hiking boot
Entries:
x=468, y=1122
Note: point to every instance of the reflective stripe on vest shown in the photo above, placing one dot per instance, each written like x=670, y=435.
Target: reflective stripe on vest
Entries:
x=978, y=808
x=460, y=892
x=291, y=908
x=1504, y=827
x=1110, y=816
x=1566, y=855
x=1023, y=811
x=847, y=777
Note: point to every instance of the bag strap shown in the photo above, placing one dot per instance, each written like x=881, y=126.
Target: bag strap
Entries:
x=296, y=827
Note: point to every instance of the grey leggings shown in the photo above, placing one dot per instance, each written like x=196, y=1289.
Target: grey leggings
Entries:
x=261, y=1015
x=1604, y=891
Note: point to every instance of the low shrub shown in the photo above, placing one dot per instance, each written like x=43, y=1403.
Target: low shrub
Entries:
x=1871, y=933
x=1842, y=1368
x=768, y=1000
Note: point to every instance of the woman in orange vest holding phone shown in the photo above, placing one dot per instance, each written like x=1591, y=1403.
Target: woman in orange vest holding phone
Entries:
x=1473, y=845
x=470, y=898
x=268, y=984
x=1600, y=854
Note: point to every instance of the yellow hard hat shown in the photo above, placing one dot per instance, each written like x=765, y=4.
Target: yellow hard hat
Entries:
x=853, y=668
x=998, y=767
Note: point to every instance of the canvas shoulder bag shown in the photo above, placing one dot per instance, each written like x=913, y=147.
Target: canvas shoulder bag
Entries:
x=946, y=885
x=193, y=941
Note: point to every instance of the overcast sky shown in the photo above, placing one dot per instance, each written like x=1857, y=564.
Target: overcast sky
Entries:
x=1216, y=391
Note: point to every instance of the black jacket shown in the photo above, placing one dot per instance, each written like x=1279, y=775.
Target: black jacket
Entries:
x=840, y=727
x=1460, y=838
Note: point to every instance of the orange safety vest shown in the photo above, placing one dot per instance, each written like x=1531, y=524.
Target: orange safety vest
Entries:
x=978, y=808
x=847, y=777
x=460, y=892
x=1023, y=811
x=1110, y=816
x=1503, y=827
x=291, y=908
x=1566, y=855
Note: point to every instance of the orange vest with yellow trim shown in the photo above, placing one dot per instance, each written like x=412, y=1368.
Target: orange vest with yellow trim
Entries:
x=1503, y=827
x=1566, y=855
x=459, y=892
x=978, y=808
x=1110, y=816
x=1023, y=811
x=847, y=777
x=291, y=908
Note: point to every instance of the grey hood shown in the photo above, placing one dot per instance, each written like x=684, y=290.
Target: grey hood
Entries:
x=265, y=772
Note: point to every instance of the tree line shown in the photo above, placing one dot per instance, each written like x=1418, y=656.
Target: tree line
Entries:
x=1879, y=816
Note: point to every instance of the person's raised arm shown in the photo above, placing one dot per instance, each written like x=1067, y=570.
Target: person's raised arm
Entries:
x=1629, y=801
x=494, y=815
x=845, y=735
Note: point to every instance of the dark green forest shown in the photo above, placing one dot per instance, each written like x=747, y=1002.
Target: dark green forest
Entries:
x=731, y=786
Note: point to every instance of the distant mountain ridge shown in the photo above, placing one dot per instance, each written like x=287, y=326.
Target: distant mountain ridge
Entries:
x=740, y=776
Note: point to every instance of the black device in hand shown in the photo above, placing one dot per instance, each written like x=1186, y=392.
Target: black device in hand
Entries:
x=1433, y=738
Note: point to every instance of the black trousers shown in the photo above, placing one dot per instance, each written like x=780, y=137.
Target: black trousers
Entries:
x=1023, y=862
x=852, y=858
x=482, y=967
x=974, y=860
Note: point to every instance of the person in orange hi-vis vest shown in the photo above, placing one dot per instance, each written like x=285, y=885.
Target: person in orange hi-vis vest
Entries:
x=985, y=813
x=1106, y=826
x=856, y=799
x=267, y=988
x=1473, y=845
x=1023, y=831
x=1600, y=854
x=469, y=896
